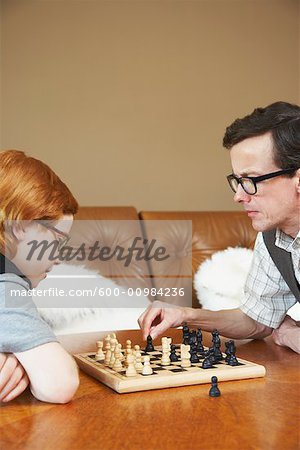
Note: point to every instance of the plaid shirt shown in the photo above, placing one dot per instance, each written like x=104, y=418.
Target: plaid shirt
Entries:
x=267, y=296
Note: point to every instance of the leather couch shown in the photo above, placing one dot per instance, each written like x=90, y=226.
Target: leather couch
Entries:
x=208, y=231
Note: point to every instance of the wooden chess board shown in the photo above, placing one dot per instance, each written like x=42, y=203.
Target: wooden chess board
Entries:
x=166, y=376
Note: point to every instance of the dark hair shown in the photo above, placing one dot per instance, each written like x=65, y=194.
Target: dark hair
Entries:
x=282, y=120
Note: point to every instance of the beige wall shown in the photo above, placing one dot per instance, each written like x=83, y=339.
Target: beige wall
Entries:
x=128, y=100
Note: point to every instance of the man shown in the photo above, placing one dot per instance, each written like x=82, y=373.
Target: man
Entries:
x=34, y=205
x=265, y=156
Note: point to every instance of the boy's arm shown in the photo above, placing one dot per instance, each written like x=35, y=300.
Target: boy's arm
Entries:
x=52, y=372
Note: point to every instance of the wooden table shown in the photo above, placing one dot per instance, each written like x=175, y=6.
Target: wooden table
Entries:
x=250, y=414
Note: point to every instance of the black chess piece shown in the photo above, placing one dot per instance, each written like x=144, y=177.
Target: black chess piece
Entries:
x=231, y=358
x=214, y=390
x=207, y=364
x=227, y=351
x=200, y=348
x=216, y=345
x=185, y=334
x=149, y=346
x=194, y=358
x=211, y=355
x=173, y=356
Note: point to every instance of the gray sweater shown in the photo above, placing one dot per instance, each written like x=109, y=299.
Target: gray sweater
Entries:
x=21, y=327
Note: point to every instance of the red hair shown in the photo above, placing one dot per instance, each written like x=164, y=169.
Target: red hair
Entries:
x=30, y=190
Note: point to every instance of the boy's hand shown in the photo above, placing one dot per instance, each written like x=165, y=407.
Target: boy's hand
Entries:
x=13, y=378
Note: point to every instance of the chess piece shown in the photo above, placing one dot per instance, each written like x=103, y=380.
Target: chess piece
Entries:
x=185, y=355
x=207, y=364
x=216, y=345
x=107, y=342
x=147, y=369
x=100, y=354
x=200, y=348
x=138, y=359
x=128, y=352
x=118, y=364
x=231, y=358
x=165, y=359
x=214, y=390
x=149, y=346
x=194, y=358
x=128, y=344
x=173, y=356
x=107, y=355
x=130, y=371
x=112, y=349
x=185, y=334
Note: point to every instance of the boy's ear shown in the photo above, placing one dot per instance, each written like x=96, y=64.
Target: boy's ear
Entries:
x=18, y=232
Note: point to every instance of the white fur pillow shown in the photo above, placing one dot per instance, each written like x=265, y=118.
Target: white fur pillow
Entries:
x=85, y=314
x=219, y=281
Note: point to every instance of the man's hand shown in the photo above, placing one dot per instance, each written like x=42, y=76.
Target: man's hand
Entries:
x=160, y=316
x=13, y=378
x=288, y=334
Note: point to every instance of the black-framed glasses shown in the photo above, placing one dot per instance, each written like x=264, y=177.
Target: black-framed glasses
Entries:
x=249, y=184
x=63, y=240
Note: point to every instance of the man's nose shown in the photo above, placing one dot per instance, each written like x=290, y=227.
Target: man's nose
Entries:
x=241, y=196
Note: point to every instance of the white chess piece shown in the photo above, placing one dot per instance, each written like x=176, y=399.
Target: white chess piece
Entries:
x=147, y=369
x=185, y=355
x=112, y=357
x=118, y=364
x=165, y=360
x=138, y=359
x=130, y=371
x=100, y=354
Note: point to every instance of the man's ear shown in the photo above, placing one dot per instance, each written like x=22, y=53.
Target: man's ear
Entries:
x=298, y=180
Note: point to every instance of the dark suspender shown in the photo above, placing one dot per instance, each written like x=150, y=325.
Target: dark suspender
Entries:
x=283, y=261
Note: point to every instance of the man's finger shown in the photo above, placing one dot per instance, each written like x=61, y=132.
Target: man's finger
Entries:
x=148, y=320
x=159, y=329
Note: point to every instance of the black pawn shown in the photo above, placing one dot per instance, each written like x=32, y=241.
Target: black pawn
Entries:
x=173, y=356
x=149, y=346
x=200, y=348
x=214, y=390
x=207, y=363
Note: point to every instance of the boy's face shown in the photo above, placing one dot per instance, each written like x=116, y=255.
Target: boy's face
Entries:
x=36, y=264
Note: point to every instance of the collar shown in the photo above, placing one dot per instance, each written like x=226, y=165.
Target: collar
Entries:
x=6, y=266
x=286, y=242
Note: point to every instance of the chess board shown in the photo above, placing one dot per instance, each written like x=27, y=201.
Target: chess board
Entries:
x=166, y=376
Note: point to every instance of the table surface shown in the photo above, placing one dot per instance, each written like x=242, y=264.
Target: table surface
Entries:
x=260, y=413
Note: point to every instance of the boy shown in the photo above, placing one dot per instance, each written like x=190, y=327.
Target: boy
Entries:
x=29, y=352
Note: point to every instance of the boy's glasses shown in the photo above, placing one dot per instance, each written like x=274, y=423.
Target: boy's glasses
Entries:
x=62, y=241
x=249, y=184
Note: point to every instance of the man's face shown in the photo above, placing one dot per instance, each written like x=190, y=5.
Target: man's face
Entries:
x=33, y=268
x=276, y=203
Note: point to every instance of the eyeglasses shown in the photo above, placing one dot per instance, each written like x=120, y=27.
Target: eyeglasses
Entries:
x=249, y=184
x=62, y=241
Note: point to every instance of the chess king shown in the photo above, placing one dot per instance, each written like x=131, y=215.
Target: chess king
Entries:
x=29, y=352
x=265, y=157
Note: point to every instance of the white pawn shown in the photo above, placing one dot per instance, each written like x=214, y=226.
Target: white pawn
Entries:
x=130, y=371
x=118, y=364
x=147, y=369
x=138, y=359
x=99, y=355
x=128, y=352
